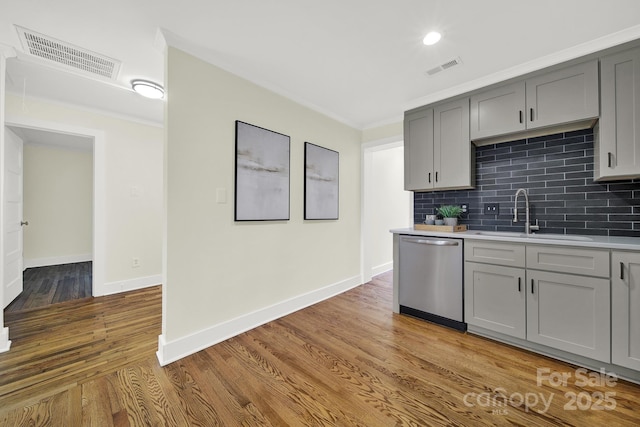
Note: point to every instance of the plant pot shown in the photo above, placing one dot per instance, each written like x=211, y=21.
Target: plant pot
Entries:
x=439, y=222
x=451, y=221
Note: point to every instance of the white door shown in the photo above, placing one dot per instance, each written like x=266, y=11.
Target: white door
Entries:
x=12, y=262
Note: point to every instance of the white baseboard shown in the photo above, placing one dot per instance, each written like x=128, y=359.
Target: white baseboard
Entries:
x=382, y=268
x=5, y=343
x=174, y=350
x=129, y=285
x=56, y=260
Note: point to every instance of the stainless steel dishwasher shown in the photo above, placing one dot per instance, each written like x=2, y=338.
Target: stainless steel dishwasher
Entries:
x=430, y=279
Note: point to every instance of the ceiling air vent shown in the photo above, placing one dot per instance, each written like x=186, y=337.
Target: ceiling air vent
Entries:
x=445, y=66
x=67, y=54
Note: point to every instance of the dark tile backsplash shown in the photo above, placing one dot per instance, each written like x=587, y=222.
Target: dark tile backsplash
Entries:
x=557, y=171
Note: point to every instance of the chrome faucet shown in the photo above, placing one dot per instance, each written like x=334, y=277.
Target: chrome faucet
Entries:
x=528, y=228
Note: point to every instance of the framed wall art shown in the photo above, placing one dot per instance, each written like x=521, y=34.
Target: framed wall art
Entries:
x=321, y=182
x=262, y=174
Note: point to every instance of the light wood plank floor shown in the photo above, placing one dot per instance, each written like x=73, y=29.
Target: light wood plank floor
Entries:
x=348, y=361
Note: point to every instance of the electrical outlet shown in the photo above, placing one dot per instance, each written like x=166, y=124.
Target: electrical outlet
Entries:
x=135, y=263
x=491, y=209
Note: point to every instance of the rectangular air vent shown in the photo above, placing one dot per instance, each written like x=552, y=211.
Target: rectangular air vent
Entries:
x=445, y=66
x=68, y=55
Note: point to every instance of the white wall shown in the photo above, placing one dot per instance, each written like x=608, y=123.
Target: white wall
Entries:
x=58, y=203
x=133, y=196
x=223, y=277
x=390, y=205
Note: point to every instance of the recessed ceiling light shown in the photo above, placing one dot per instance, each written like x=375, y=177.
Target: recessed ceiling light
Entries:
x=148, y=89
x=432, y=38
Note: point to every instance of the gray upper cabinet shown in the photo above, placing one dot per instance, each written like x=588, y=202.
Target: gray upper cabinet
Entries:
x=452, y=146
x=617, y=150
x=625, y=309
x=437, y=147
x=564, y=96
x=418, y=150
x=498, y=111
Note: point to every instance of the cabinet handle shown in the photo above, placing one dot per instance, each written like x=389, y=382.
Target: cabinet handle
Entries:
x=609, y=159
x=436, y=176
x=621, y=270
x=429, y=176
x=531, y=114
x=519, y=284
x=520, y=115
x=532, y=286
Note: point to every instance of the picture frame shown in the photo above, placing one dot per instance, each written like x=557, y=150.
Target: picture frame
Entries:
x=321, y=183
x=262, y=174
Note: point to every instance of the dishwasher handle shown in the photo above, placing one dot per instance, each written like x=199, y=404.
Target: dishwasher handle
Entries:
x=431, y=242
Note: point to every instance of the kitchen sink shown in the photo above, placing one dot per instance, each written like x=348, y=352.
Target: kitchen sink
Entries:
x=498, y=233
x=561, y=237
x=533, y=236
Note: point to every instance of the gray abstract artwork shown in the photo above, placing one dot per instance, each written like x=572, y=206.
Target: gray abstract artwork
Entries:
x=262, y=174
x=321, y=185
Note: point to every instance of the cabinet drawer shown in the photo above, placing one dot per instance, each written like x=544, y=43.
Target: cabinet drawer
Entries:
x=509, y=254
x=589, y=262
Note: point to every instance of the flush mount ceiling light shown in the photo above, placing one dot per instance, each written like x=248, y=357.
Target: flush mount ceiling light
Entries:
x=148, y=89
x=432, y=38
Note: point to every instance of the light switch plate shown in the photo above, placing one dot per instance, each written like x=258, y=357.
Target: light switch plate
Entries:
x=221, y=195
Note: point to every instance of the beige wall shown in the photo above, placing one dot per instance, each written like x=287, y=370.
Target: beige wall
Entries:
x=390, y=205
x=58, y=203
x=218, y=270
x=134, y=158
x=391, y=131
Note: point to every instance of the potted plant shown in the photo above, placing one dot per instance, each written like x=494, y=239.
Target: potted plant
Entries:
x=450, y=214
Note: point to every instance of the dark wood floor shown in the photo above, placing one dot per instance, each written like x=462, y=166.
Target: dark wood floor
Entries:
x=347, y=361
x=53, y=284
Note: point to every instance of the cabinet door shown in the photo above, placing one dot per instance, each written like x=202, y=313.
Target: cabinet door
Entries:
x=502, y=253
x=418, y=150
x=451, y=145
x=494, y=298
x=587, y=261
x=498, y=111
x=570, y=313
x=625, y=315
x=618, y=148
x=563, y=96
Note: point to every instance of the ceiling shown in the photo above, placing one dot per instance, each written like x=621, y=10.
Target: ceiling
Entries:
x=359, y=61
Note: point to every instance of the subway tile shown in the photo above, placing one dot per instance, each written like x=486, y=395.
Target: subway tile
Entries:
x=545, y=138
x=535, y=164
x=557, y=171
x=564, y=169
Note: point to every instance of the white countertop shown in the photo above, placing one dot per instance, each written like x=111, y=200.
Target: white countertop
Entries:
x=604, y=242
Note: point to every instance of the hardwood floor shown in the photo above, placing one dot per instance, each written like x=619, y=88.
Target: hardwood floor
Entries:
x=53, y=284
x=347, y=361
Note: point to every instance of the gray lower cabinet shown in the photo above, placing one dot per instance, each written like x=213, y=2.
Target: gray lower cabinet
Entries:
x=617, y=148
x=545, y=294
x=495, y=299
x=569, y=312
x=625, y=309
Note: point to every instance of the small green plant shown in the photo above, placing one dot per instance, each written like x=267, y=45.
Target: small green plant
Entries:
x=449, y=211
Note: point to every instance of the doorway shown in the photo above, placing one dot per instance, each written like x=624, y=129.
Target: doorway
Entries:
x=96, y=141
x=385, y=204
x=57, y=216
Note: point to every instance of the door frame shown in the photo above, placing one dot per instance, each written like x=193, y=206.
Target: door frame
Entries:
x=366, y=202
x=99, y=187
